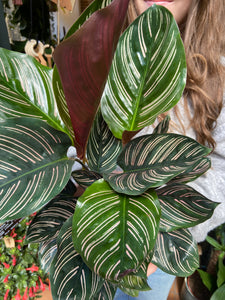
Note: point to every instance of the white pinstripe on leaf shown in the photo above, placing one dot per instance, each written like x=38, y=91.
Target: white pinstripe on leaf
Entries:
x=176, y=253
x=68, y=273
x=110, y=225
x=48, y=221
x=183, y=207
x=34, y=166
x=148, y=73
x=26, y=89
x=150, y=161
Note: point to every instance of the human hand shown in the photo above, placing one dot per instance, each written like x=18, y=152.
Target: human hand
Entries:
x=151, y=269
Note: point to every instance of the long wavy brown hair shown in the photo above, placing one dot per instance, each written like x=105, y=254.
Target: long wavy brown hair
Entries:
x=203, y=35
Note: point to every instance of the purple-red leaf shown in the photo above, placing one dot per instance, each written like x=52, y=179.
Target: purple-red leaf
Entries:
x=83, y=61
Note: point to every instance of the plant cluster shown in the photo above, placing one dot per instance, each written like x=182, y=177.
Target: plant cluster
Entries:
x=216, y=282
x=136, y=206
x=20, y=274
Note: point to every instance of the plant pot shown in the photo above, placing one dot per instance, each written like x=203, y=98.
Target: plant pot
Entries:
x=194, y=289
x=186, y=293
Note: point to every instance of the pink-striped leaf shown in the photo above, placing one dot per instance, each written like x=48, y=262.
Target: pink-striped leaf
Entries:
x=183, y=207
x=113, y=232
x=85, y=177
x=34, y=166
x=148, y=72
x=26, y=89
x=70, y=278
x=192, y=173
x=83, y=61
x=176, y=253
x=48, y=221
x=46, y=254
x=134, y=282
x=102, y=148
x=150, y=161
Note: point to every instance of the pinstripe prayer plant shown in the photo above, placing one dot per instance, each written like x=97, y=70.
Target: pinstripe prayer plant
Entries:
x=135, y=206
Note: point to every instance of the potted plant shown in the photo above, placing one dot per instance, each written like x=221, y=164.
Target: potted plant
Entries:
x=208, y=282
x=20, y=272
x=107, y=86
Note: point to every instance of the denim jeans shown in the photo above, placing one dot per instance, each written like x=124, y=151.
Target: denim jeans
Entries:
x=160, y=283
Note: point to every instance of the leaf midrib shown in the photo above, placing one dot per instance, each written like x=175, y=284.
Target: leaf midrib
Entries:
x=138, y=99
x=43, y=114
x=34, y=171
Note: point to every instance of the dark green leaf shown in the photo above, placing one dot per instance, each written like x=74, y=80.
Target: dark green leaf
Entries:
x=197, y=169
x=110, y=225
x=70, y=278
x=142, y=271
x=176, y=253
x=152, y=160
x=85, y=178
x=103, y=148
x=209, y=280
x=134, y=282
x=35, y=166
x=49, y=220
x=130, y=292
x=107, y=292
x=214, y=243
x=163, y=126
x=46, y=254
x=148, y=73
x=221, y=270
x=26, y=89
x=183, y=207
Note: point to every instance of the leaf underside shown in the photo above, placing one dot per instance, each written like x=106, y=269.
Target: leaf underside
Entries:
x=57, y=85
x=83, y=69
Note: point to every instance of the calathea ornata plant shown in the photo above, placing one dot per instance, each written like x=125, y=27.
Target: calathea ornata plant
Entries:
x=136, y=206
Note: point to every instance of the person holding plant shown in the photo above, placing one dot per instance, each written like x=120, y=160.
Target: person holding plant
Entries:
x=200, y=113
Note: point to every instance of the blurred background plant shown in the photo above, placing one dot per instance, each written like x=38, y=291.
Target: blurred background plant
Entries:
x=214, y=276
x=20, y=274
